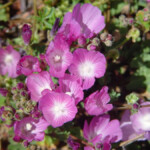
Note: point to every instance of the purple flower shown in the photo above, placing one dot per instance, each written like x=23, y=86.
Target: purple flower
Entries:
x=96, y=103
x=9, y=59
x=57, y=108
x=101, y=130
x=27, y=65
x=3, y=91
x=26, y=34
x=38, y=83
x=88, y=148
x=141, y=119
x=127, y=127
x=72, y=144
x=70, y=29
x=58, y=57
x=88, y=65
x=90, y=19
x=85, y=19
x=30, y=129
x=72, y=88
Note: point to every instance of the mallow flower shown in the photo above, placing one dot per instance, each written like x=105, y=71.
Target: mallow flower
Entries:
x=27, y=65
x=38, y=83
x=136, y=124
x=72, y=88
x=86, y=19
x=102, y=131
x=88, y=65
x=96, y=103
x=57, y=108
x=58, y=57
x=141, y=120
x=30, y=129
x=127, y=128
x=9, y=59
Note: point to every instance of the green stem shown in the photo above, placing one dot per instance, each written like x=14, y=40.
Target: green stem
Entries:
x=122, y=43
x=125, y=143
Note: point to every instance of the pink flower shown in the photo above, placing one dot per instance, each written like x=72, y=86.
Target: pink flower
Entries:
x=27, y=65
x=72, y=144
x=70, y=29
x=141, y=119
x=101, y=130
x=26, y=34
x=37, y=84
x=96, y=103
x=85, y=21
x=72, y=88
x=90, y=19
x=88, y=65
x=9, y=59
x=57, y=108
x=58, y=57
x=127, y=127
x=30, y=129
x=88, y=148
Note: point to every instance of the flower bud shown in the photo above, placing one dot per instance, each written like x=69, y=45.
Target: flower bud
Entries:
x=113, y=54
x=3, y=91
x=26, y=34
x=103, y=36
x=133, y=33
x=91, y=47
x=108, y=43
x=95, y=41
x=131, y=98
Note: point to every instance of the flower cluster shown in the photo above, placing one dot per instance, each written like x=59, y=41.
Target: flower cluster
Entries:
x=39, y=102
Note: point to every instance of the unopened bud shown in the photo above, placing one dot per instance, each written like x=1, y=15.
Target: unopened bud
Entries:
x=91, y=47
x=95, y=41
x=103, y=36
x=26, y=34
x=113, y=54
x=3, y=91
x=108, y=43
x=131, y=98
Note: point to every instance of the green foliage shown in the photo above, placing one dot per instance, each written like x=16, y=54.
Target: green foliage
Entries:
x=15, y=146
x=46, y=18
x=117, y=7
x=114, y=95
x=143, y=18
x=2, y=100
x=3, y=14
x=141, y=62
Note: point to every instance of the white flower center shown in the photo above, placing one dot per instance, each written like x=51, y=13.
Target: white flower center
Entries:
x=44, y=87
x=57, y=58
x=59, y=109
x=86, y=69
x=28, y=126
x=69, y=93
x=8, y=59
x=145, y=121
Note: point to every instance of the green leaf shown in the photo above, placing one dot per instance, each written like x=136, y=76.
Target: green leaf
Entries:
x=15, y=146
x=2, y=100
